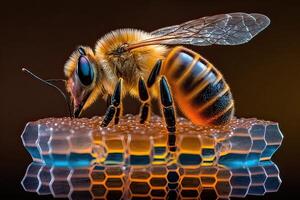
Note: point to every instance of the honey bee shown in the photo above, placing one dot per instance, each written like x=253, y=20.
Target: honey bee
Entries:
x=130, y=61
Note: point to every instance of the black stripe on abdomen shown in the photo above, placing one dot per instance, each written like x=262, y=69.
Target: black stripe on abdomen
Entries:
x=218, y=106
x=209, y=92
x=189, y=83
x=224, y=118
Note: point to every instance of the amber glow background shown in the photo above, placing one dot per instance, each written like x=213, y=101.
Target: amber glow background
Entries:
x=263, y=74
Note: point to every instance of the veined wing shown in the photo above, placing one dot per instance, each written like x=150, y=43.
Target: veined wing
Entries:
x=223, y=29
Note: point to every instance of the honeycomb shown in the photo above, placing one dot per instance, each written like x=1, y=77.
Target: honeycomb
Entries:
x=153, y=182
x=65, y=142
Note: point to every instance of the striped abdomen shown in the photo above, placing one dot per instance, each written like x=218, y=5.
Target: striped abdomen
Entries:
x=199, y=89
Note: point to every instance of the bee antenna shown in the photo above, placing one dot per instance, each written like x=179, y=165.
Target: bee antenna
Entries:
x=48, y=82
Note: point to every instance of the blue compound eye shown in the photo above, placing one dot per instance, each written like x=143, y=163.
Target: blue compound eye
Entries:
x=85, y=71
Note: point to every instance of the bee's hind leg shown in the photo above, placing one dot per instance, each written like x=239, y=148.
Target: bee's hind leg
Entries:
x=168, y=111
x=115, y=108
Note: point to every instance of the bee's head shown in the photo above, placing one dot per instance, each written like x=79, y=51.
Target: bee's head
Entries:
x=83, y=79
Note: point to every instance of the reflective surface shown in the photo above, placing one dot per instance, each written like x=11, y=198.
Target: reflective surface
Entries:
x=117, y=182
x=77, y=159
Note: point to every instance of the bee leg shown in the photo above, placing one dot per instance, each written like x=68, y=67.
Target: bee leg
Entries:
x=154, y=74
x=145, y=99
x=108, y=100
x=114, y=108
x=168, y=111
x=118, y=113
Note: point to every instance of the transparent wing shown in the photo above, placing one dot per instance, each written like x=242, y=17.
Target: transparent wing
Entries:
x=223, y=29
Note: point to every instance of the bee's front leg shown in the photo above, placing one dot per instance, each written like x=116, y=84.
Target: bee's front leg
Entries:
x=115, y=108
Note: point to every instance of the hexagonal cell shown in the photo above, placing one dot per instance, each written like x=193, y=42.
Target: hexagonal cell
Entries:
x=98, y=174
x=273, y=138
x=258, y=145
x=223, y=174
x=136, y=174
x=114, y=182
x=257, y=131
x=44, y=177
x=60, y=188
x=29, y=138
x=114, y=171
x=29, y=135
x=80, y=182
x=241, y=141
x=223, y=188
x=80, y=179
x=30, y=181
x=270, y=168
x=158, y=181
x=190, y=182
x=158, y=170
x=43, y=148
x=208, y=181
x=173, y=176
x=59, y=145
x=44, y=132
x=98, y=190
x=273, y=180
x=273, y=134
x=272, y=184
x=258, y=178
x=240, y=182
x=139, y=187
x=140, y=150
x=59, y=184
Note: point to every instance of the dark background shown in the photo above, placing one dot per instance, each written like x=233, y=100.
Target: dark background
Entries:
x=263, y=74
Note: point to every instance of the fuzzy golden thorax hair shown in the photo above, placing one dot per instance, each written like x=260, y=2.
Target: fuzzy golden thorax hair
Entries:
x=129, y=65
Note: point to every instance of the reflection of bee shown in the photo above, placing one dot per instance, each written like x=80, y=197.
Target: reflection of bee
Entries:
x=124, y=58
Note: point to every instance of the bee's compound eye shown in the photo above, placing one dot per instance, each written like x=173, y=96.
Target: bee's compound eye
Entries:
x=85, y=71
